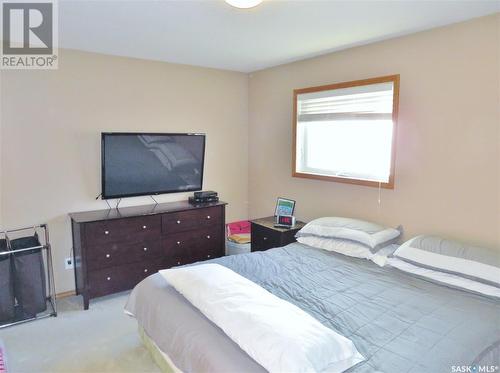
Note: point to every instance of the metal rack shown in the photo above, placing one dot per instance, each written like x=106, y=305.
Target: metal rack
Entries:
x=47, y=254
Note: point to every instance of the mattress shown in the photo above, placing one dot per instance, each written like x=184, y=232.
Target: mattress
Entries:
x=398, y=322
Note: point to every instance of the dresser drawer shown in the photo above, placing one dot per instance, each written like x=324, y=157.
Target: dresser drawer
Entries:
x=193, y=219
x=114, y=279
x=209, y=251
x=123, y=230
x=190, y=247
x=209, y=246
x=118, y=253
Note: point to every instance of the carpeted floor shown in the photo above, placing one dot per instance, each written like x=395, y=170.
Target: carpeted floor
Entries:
x=102, y=339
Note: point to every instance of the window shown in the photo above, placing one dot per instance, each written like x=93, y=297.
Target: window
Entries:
x=346, y=132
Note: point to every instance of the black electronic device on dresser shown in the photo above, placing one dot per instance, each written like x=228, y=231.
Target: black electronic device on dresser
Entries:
x=265, y=235
x=116, y=249
x=204, y=197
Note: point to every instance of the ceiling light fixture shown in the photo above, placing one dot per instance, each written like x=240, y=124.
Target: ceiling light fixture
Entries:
x=243, y=4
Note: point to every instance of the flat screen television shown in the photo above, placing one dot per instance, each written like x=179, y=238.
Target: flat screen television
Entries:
x=138, y=164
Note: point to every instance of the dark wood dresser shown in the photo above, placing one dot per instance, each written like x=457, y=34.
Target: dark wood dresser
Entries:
x=116, y=249
x=266, y=236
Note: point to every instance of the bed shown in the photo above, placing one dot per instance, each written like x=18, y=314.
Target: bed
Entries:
x=398, y=322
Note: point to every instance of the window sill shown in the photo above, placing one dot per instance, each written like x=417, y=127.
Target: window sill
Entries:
x=345, y=180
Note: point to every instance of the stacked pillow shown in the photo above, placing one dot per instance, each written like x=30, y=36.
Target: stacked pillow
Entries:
x=450, y=262
x=352, y=237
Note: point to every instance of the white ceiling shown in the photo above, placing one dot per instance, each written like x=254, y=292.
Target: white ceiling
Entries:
x=213, y=34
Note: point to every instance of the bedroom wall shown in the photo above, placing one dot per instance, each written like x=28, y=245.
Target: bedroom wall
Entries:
x=51, y=134
x=498, y=128
x=448, y=161
x=1, y=168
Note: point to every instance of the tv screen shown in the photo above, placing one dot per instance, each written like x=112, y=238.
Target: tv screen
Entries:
x=136, y=164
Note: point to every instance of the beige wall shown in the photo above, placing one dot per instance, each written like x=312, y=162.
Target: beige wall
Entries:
x=448, y=158
x=498, y=123
x=447, y=163
x=51, y=134
x=1, y=168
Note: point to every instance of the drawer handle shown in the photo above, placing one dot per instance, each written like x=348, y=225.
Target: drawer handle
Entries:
x=178, y=221
x=178, y=242
x=106, y=232
x=208, y=237
x=146, y=270
x=144, y=227
x=178, y=262
x=265, y=238
x=108, y=256
x=208, y=216
x=145, y=249
x=108, y=279
x=208, y=256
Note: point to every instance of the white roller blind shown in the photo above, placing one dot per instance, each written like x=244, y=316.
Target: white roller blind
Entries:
x=346, y=132
x=365, y=102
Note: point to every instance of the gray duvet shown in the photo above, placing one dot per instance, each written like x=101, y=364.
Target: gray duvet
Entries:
x=399, y=323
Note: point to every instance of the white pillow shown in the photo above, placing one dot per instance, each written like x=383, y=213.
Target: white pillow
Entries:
x=445, y=278
x=474, y=263
x=349, y=248
x=370, y=234
x=275, y=333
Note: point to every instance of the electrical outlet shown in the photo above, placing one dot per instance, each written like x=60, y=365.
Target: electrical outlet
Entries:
x=68, y=263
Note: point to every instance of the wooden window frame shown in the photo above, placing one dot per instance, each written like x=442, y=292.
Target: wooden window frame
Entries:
x=356, y=83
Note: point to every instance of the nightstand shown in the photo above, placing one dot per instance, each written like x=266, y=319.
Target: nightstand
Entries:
x=266, y=236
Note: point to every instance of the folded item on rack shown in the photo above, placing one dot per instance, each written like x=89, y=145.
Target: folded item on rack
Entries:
x=240, y=238
x=238, y=227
